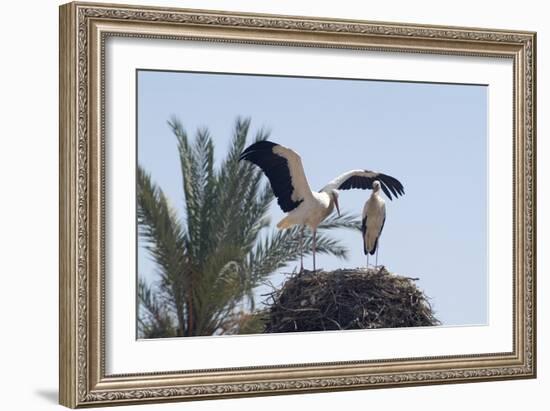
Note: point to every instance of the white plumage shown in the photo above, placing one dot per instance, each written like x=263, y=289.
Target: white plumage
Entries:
x=283, y=167
x=374, y=217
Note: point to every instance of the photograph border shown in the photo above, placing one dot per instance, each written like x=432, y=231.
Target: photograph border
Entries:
x=84, y=28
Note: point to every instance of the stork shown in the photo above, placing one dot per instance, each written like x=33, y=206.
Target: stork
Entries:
x=374, y=217
x=285, y=172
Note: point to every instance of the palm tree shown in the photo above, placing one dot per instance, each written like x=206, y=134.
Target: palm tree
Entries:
x=211, y=259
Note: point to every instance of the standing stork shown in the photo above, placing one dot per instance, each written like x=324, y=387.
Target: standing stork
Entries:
x=283, y=167
x=374, y=217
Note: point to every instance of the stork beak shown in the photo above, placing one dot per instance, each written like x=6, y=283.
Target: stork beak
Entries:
x=337, y=205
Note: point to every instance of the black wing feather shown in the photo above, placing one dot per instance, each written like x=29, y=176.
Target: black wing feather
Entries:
x=276, y=169
x=389, y=184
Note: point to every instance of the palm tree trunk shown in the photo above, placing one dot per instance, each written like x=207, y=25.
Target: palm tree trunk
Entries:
x=190, y=317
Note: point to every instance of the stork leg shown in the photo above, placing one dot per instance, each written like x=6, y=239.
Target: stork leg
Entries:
x=314, y=245
x=377, y=248
x=302, y=249
x=368, y=259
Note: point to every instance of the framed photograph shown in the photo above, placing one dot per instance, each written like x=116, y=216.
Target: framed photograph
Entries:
x=259, y=204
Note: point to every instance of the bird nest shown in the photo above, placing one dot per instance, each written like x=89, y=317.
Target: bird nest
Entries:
x=347, y=299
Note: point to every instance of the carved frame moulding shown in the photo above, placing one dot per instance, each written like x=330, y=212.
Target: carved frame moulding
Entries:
x=85, y=28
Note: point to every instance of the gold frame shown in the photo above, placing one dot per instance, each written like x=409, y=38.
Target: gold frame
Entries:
x=83, y=30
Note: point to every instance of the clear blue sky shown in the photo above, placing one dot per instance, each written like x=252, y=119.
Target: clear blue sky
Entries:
x=432, y=137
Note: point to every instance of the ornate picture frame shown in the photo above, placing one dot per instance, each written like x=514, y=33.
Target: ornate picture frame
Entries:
x=84, y=30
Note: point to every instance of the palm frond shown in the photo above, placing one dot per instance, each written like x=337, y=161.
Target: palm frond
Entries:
x=154, y=319
x=159, y=226
x=164, y=238
x=206, y=185
x=220, y=286
x=192, y=190
x=345, y=220
x=238, y=185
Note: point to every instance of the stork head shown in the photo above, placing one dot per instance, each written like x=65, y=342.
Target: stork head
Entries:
x=334, y=196
x=376, y=186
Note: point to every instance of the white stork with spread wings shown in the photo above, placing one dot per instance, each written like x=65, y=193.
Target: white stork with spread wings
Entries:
x=283, y=167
